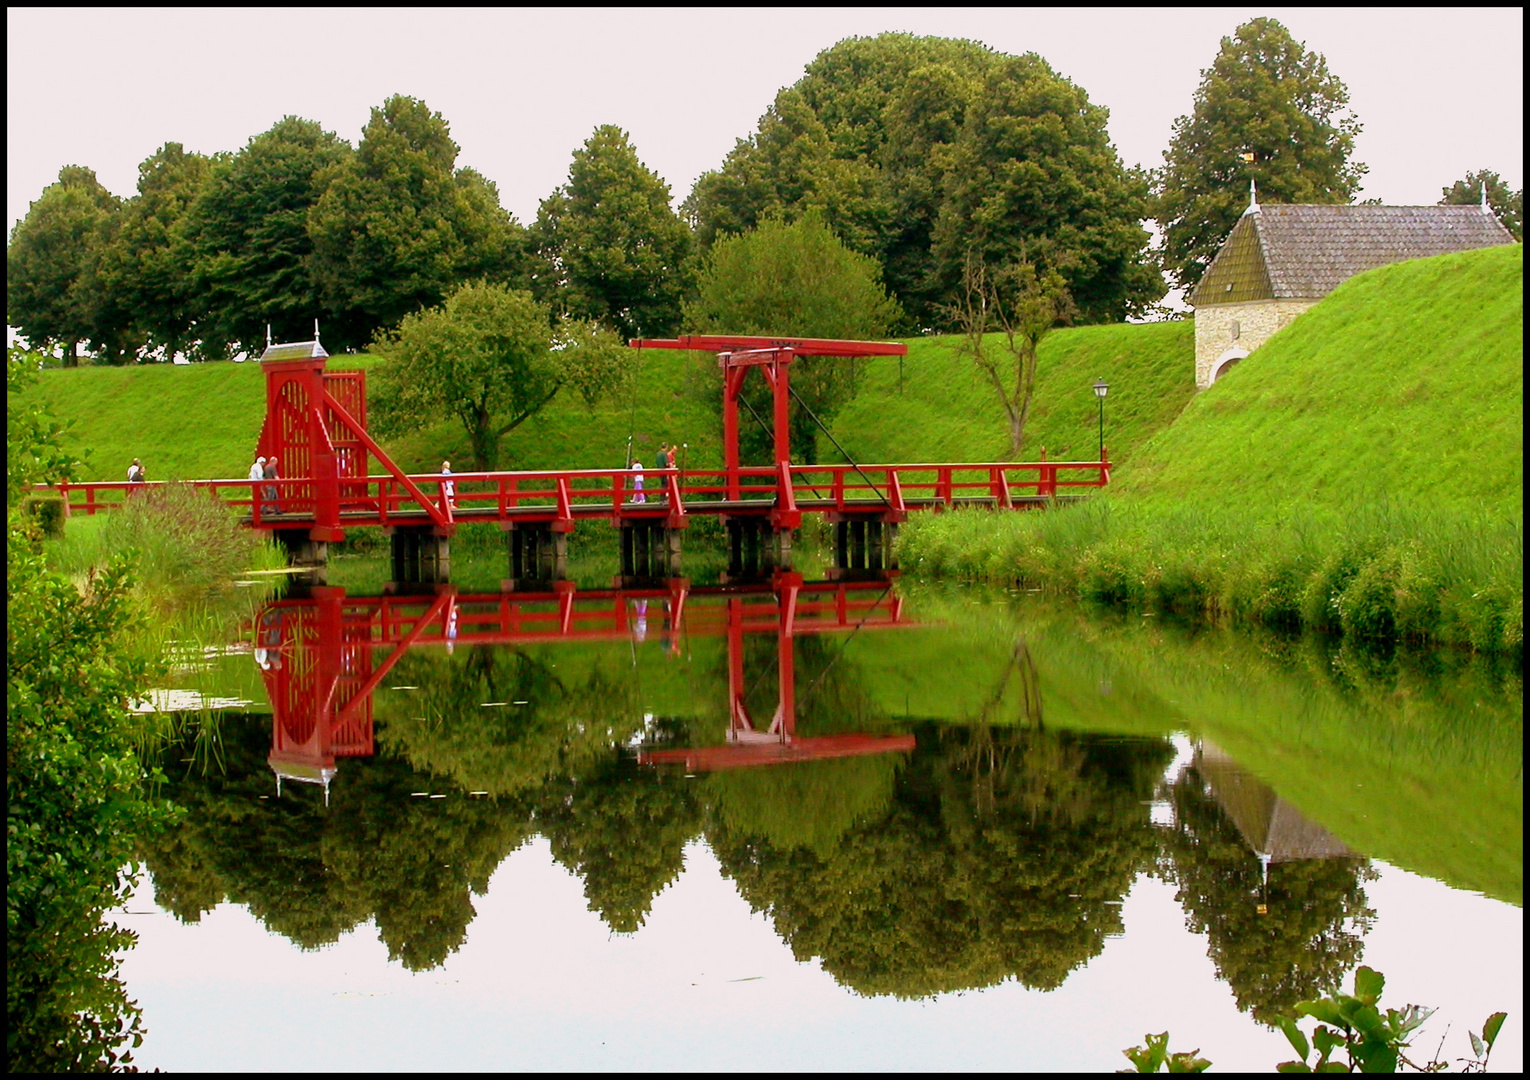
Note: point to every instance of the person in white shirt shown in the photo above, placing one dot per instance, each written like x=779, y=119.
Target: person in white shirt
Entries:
x=258, y=470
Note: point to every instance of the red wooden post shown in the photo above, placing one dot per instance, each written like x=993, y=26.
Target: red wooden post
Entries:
x=780, y=370
x=733, y=380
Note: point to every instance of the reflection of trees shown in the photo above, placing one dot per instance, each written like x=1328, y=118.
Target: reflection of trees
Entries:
x=1005, y=852
x=623, y=830
x=547, y=723
x=311, y=873
x=1303, y=946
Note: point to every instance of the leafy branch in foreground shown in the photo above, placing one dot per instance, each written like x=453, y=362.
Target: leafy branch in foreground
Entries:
x=1372, y=1041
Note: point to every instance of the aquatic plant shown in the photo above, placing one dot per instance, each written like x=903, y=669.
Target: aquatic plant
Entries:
x=1371, y=1040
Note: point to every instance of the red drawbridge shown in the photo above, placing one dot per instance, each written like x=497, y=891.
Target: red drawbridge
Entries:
x=320, y=670
x=316, y=428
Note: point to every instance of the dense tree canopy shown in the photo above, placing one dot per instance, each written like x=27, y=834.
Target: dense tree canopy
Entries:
x=1004, y=854
x=147, y=268
x=1264, y=95
x=398, y=226
x=491, y=357
x=1507, y=205
x=249, y=232
x=918, y=150
x=51, y=262
x=615, y=251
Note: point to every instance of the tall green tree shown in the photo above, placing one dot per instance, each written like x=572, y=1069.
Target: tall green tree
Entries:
x=50, y=262
x=1507, y=205
x=1033, y=178
x=248, y=229
x=615, y=249
x=1267, y=96
x=398, y=227
x=795, y=279
x=888, y=137
x=491, y=357
x=147, y=268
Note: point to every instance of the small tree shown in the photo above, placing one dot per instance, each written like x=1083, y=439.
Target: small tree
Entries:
x=491, y=357
x=1022, y=306
x=795, y=280
x=1508, y=206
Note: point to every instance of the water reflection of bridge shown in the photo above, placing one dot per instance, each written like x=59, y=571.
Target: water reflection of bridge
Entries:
x=318, y=656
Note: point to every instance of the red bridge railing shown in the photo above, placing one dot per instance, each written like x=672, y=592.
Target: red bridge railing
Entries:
x=564, y=496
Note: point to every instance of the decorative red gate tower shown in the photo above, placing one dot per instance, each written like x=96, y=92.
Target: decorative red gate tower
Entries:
x=316, y=429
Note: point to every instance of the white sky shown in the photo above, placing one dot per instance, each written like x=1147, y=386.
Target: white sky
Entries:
x=1440, y=91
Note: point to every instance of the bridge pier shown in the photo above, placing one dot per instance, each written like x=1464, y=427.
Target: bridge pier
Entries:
x=419, y=555
x=305, y=552
x=755, y=547
x=650, y=550
x=864, y=543
x=537, y=552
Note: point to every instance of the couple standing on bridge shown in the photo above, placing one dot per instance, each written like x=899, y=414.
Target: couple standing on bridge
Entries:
x=265, y=469
x=664, y=460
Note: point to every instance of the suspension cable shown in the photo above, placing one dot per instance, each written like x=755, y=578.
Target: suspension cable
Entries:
x=812, y=416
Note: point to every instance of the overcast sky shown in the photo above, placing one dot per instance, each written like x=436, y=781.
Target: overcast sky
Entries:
x=1439, y=91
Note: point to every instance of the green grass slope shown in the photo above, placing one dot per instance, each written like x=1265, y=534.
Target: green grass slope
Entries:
x=1406, y=383
x=932, y=406
x=1361, y=472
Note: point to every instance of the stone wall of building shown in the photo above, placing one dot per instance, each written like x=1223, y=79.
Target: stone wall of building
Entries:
x=1221, y=329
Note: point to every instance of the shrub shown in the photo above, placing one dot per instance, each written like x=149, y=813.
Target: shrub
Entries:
x=47, y=511
x=181, y=542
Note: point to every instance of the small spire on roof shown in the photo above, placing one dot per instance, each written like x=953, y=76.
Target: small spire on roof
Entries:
x=1484, y=195
x=316, y=331
x=268, y=335
x=1253, y=200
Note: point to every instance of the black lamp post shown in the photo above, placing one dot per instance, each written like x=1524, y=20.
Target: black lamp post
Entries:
x=1101, y=388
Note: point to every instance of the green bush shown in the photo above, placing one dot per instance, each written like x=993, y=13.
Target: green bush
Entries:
x=48, y=512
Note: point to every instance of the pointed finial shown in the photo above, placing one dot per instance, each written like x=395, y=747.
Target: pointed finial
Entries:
x=316, y=331
x=1253, y=200
x=268, y=335
x=1484, y=195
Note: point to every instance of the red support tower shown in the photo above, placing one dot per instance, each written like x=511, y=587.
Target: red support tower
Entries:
x=737, y=354
x=316, y=429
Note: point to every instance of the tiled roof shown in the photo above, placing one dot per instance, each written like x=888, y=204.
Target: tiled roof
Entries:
x=1305, y=252
x=296, y=350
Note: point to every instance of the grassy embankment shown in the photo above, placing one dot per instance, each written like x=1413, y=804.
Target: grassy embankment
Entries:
x=202, y=421
x=1361, y=473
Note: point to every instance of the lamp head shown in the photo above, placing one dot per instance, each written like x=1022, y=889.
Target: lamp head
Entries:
x=1101, y=388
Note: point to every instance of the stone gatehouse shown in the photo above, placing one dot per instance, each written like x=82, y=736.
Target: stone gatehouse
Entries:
x=1280, y=260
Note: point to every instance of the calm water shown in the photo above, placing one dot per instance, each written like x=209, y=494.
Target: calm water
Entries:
x=804, y=825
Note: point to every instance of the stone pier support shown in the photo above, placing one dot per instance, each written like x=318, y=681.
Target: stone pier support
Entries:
x=756, y=548
x=419, y=555
x=304, y=552
x=864, y=543
x=650, y=550
x=537, y=553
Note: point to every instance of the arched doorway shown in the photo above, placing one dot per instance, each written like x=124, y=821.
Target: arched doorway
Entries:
x=1225, y=362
